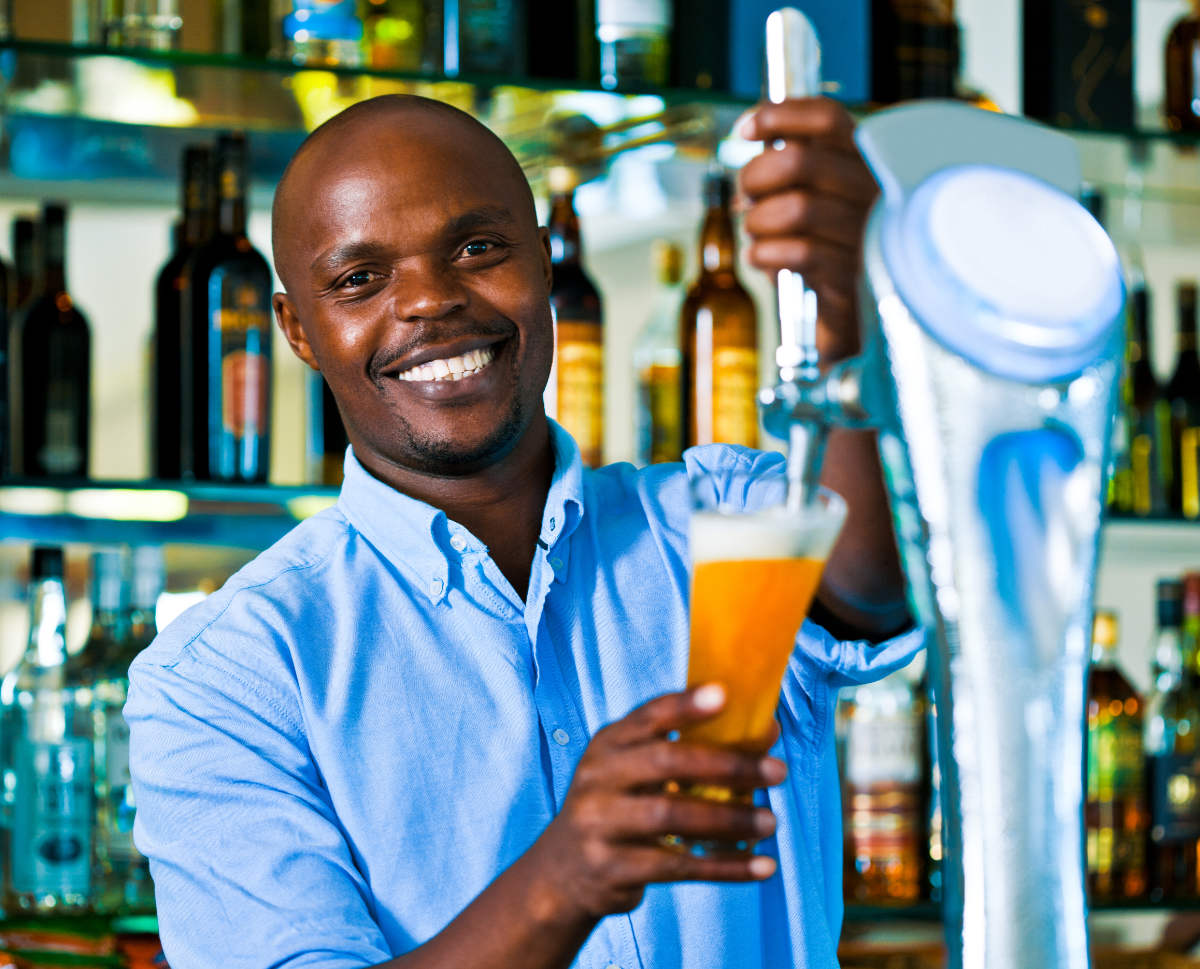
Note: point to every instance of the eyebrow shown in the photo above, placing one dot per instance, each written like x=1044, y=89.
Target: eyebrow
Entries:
x=468, y=221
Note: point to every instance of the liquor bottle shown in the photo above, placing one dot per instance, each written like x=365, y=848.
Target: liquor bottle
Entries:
x=402, y=35
x=562, y=41
x=327, y=435
x=123, y=873
x=227, y=335
x=51, y=368
x=47, y=765
x=170, y=296
x=577, y=380
x=719, y=335
x=914, y=50
x=884, y=779
x=484, y=37
x=24, y=260
x=325, y=33
x=635, y=43
x=1147, y=414
x=1182, y=394
x=1115, y=813
x=247, y=28
x=1182, y=99
x=656, y=361
x=1166, y=646
x=1173, y=766
x=1078, y=62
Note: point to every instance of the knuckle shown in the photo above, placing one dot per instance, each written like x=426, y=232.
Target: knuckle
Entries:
x=659, y=813
x=797, y=208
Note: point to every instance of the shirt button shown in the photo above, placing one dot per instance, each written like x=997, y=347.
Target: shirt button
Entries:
x=556, y=564
x=552, y=524
x=436, y=587
x=561, y=737
x=458, y=543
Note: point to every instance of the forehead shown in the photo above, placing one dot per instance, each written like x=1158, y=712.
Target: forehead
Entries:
x=404, y=181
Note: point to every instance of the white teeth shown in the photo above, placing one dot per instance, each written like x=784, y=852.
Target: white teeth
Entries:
x=451, y=368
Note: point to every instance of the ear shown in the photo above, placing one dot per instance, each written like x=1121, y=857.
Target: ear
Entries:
x=289, y=323
x=547, y=262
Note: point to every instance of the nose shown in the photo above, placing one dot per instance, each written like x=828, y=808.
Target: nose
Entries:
x=428, y=290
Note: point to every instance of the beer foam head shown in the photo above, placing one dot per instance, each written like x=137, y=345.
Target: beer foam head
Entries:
x=772, y=533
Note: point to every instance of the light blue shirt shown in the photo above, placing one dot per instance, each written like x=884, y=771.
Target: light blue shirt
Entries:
x=335, y=753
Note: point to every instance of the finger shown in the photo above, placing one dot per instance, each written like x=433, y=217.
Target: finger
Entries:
x=827, y=268
x=808, y=165
x=651, y=816
x=638, y=865
x=650, y=765
x=667, y=713
x=800, y=118
x=798, y=212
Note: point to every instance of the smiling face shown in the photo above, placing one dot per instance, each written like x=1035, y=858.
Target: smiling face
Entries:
x=418, y=284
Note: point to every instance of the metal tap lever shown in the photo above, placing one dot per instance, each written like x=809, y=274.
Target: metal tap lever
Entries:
x=793, y=71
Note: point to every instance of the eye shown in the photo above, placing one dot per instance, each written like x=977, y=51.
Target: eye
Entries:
x=478, y=247
x=359, y=277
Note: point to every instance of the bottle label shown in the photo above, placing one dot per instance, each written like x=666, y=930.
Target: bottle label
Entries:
x=1189, y=472
x=63, y=453
x=1174, y=797
x=52, y=818
x=660, y=429
x=883, y=750
x=580, y=387
x=1115, y=759
x=243, y=327
x=735, y=396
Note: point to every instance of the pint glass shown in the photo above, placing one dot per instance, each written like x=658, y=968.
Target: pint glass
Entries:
x=756, y=565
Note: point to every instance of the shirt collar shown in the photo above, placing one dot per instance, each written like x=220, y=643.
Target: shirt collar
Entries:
x=415, y=536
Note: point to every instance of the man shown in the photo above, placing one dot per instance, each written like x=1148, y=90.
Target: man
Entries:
x=431, y=727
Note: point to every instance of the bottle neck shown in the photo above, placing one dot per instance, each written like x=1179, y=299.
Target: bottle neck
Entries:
x=1104, y=654
x=197, y=213
x=47, y=646
x=231, y=202
x=1186, y=333
x=718, y=243
x=1139, y=336
x=54, y=270
x=565, y=246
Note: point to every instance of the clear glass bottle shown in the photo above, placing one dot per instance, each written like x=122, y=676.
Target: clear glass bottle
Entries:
x=656, y=362
x=47, y=762
x=635, y=43
x=884, y=782
x=1115, y=813
x=1172, y=726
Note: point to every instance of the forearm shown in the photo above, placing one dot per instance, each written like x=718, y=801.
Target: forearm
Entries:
x=520, y=919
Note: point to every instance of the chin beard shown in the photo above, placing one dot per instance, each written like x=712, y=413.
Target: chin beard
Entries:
x=441, y=457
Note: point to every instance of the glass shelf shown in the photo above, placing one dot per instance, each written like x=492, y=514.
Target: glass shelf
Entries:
x=925, y=911
x=233, y=516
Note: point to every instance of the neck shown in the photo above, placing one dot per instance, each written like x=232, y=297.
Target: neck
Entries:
x=500, y=505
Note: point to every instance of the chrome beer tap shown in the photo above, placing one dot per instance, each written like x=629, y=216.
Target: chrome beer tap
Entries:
x=992, y=313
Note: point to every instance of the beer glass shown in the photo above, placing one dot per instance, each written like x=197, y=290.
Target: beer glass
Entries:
x=756, y=564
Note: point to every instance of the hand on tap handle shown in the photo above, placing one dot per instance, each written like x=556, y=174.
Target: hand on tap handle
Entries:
x=807, y=197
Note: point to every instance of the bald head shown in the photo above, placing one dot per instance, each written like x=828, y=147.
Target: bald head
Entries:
x=339, y=140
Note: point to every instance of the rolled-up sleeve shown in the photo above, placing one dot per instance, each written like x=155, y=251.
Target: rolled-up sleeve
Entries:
x=250, y=866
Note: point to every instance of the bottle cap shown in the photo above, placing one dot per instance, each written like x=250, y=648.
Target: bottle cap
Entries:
x=1191, y=595
x=668, y=261
x=1169, y=597
x=47, y=562
x=1105, y=628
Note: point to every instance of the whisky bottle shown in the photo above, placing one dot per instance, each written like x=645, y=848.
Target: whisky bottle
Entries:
x=1182, y=77
x=1173, y=766
x=1182, y=395
x=719, y=335
x=227, y=328
x=884, y=782
x=47, y=761
x=656, y=361
x=1115, y=814
x=1147, y=414
x=576, y=395
x=170, y=295
x=51, y=367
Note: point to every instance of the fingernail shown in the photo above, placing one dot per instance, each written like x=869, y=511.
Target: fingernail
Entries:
x=764, y=821
x=746, y=127
x=773, y=770
x=762, y=867
x=709, y=697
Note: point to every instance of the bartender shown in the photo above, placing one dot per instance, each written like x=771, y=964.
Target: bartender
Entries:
x=432, y=726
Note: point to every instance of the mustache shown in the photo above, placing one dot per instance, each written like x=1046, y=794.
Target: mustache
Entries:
x=432, y=334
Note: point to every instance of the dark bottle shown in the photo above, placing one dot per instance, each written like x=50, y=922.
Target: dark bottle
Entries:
x=1147, y=415
x=327, y=435
x=914, y=50
x=1182, y=78
x=562, y=41
x=484, y=37
x=51, y=368
x=6, y=294
x=24, y=246
x=1182, y=394
x=1173, y=764
x=577, y=383
x=718, y=331
x=1115, y=812
x=227, y=335
x=170, y=294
